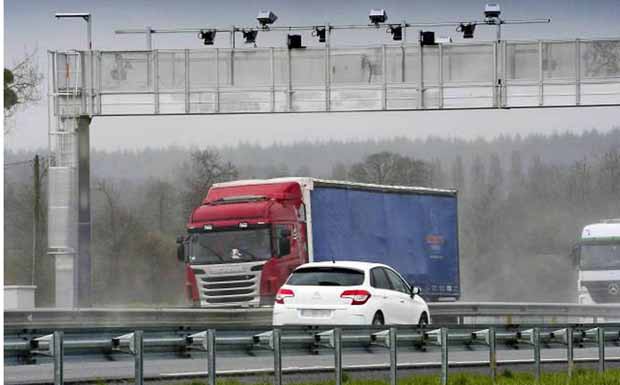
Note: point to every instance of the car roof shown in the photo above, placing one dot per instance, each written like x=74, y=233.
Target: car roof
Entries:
x=346, y=264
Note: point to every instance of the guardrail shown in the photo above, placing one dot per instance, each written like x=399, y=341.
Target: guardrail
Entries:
x=461, y=312
x=138, y=343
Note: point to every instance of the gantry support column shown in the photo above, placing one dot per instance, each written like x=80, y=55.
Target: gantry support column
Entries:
x=83, y=271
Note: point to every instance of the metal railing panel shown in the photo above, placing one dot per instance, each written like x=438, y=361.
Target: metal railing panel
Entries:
x=558, y=60
x=467, y=64
x=127, y=71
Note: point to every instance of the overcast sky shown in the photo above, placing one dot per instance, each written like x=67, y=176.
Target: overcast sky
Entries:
x=30, y=24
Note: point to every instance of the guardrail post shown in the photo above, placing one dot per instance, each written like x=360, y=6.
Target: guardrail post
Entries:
x=132, y=343
x=444, y=356
x=277, y=357
x=58, y=351
x=570, y=351
x=492, y=354
x=393, y=356
x=536, y=343
x=489, y=337
x=600, y=337
x=205, y=341
x=338, y=355
x=211, y=356
x=138, y=350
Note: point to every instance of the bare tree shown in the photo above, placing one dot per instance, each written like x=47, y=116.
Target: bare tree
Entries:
x=436, y=174
x=517, y=179
x=204, y=168
x=495, y=182
x=339, y=171
x=116, y=231
x=160, y=199
x=579, y=181
x=609, y=180
x=22, y=84
x=477, y=179
x=390, y=168
x=458, y=174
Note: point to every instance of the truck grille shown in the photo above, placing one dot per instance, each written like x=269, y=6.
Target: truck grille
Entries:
x=227, y=278
x=228, y=285
x=238, y=289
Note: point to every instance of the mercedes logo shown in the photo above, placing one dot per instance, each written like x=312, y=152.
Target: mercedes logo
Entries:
x=613, y=288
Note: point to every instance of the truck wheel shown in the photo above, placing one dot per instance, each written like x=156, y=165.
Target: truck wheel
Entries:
x=378, y=320
x=423, y=320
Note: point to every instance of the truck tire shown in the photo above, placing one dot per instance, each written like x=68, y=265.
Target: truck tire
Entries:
x=378, y=319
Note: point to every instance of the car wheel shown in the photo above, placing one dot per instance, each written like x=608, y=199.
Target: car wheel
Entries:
x=423, y=320
x=378, y=320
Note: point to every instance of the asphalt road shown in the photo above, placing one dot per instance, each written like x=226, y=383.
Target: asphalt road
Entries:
x=258, y=367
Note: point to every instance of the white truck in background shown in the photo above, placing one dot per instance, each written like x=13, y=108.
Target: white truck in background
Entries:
x=598, y=254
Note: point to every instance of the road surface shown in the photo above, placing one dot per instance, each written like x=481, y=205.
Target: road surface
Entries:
x=259, y=367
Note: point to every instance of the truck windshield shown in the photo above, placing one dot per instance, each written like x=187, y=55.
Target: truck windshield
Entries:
x=600, y=257
x=230, y=246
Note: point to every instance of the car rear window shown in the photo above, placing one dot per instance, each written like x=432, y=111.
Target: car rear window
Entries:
x=326, y=276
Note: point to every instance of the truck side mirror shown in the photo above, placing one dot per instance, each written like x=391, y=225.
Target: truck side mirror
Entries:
x=283, y=241
x=284, y=246
x=575, y=255
x=180, y=248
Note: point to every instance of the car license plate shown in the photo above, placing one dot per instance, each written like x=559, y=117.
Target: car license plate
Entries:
x=316, y=313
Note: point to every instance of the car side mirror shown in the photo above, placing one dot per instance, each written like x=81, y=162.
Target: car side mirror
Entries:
x=415, y=291
x=180, y=249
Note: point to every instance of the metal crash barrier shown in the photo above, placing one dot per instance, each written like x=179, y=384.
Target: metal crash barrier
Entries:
x=311, y=340
x=456, y=312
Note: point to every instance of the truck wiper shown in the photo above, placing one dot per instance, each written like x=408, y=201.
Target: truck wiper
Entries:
x=212, y=251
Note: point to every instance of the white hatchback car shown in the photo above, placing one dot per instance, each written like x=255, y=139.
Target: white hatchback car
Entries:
x=348, y=293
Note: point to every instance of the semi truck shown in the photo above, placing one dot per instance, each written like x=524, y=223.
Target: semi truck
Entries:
x=247, y=236
x=598, y=256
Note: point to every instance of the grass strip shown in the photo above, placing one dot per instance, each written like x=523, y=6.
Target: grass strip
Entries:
x=506, y=377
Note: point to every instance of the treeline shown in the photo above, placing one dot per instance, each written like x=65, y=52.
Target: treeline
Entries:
x=522, y=204
x=318, y=158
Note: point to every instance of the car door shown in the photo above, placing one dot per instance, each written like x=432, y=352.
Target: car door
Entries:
x=407, y=310
x=382, y=290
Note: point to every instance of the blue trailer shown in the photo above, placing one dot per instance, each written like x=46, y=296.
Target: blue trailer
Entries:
x=414, y=230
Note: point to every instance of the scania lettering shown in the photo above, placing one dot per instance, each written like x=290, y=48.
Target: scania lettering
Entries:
x=247, y=236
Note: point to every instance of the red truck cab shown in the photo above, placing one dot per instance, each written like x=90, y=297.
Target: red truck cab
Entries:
x=243, y=241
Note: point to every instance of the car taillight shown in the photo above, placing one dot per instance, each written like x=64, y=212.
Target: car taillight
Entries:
x=357, y=297
x=284, y=293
